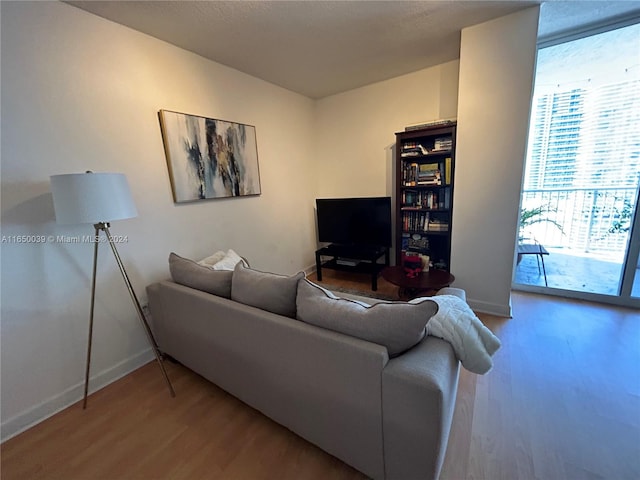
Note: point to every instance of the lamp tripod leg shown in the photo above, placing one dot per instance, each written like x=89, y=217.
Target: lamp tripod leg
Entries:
x=139, y=310
x=93, y=298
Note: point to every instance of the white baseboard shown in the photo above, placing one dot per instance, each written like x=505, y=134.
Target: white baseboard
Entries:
x=310, y=269
x=56, y=403
x=490, y=308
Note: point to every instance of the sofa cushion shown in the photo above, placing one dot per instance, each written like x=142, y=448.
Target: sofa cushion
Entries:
x=188, y=273
x=395, y=325
x=268, y=291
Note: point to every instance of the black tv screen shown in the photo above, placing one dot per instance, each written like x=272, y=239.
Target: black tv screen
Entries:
x=355, y=221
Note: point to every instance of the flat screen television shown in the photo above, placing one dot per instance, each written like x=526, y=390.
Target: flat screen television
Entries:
x=357, y=222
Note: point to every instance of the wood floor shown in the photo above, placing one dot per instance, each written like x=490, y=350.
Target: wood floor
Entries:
x=562, y=402
x=358, y=282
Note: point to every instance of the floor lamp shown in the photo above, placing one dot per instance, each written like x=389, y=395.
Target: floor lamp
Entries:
x=100, y=198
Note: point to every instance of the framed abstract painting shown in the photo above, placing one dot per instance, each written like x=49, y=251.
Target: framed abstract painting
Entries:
x=209, y=158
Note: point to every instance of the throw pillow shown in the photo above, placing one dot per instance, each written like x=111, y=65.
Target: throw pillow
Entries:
x=229, y=261
x=188, y=273
x=211, y=260
x=268, y=291
x=395, y=325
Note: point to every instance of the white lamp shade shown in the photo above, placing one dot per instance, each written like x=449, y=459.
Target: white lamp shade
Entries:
x=91, y=197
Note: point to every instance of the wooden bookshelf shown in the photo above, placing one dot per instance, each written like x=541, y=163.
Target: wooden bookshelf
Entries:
x=425, y=168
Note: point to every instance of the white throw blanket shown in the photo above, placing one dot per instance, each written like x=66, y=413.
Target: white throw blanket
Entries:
x=472, y=341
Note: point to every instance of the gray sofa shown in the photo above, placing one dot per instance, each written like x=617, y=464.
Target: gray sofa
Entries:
x=387, y=417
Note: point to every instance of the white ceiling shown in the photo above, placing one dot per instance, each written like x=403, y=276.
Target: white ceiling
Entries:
x=319, y=48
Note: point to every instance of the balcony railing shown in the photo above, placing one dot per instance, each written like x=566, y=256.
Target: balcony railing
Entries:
x=592, y=221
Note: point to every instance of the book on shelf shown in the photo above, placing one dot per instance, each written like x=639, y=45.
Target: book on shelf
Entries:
x=435, y=181
x=429, y=174
x=427, y=168
x=447, y=171
x=409, y=198
x=436, y=225
x=413, y=149
x=434, y=200
x=415, y=221
x=419, y=200
x=442, y=144
x=413, y=174
x=410, y=174
x=447, y=198
x=422, y=221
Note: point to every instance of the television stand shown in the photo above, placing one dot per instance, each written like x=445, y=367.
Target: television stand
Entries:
x=353, y=259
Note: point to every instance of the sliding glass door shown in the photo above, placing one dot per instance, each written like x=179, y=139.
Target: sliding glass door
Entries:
x=579, y=231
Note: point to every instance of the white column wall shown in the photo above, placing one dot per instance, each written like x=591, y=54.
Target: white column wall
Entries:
x=497, y=64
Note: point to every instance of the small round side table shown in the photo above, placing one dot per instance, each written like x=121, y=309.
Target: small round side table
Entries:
x=426, y=283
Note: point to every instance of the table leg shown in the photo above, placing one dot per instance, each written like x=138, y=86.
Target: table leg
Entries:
x=318, y=267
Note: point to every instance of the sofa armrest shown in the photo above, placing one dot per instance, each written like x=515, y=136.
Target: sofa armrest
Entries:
x=418, y=399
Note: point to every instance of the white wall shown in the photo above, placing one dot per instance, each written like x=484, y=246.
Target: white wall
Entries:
x=497, y=61
x=78, y=93
x=356, y=129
